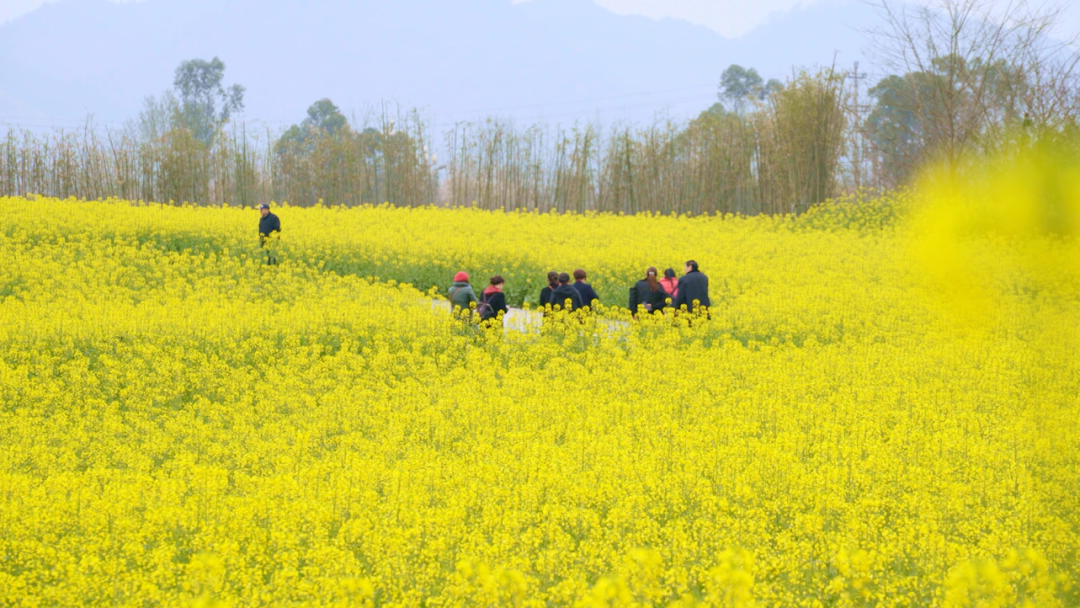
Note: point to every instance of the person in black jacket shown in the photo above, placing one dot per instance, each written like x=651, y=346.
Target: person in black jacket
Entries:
x=268, y=224
x=545, y=293
x=648, y=293
x=492, y=302
x=588, y=295
x=693, y=287
x=564, y=292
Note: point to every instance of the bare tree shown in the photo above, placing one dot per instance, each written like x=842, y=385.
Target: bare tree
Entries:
x=969, y=75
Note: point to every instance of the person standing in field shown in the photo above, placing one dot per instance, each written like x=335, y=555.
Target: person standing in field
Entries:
x=693, y=288
x=545, y=293
x=269, y=225
x=461, y=293
x=493, y=300
x=588, y=295
x=565, y=295
x=648, y=293
x=670, y=283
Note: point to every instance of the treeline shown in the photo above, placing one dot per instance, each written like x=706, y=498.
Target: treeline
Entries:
x=968, y=81
x=780, y=159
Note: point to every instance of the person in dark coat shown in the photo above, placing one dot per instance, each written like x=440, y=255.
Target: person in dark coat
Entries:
x=565, y=291
x=693, y=287
x=268, y=224
x=588, y=295
x=493, y=301
x=648, y=293
x=545, y=293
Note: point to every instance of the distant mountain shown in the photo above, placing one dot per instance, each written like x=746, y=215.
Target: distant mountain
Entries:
x=563, y=59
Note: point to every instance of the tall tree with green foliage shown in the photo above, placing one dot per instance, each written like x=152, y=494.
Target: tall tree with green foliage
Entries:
x=739, y=84
x=323, y=119
x=916, y=116
x=206, y=104
x=325, y=116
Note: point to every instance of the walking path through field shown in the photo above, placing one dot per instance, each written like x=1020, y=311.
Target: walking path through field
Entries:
x=524, y=321
x=515, y=319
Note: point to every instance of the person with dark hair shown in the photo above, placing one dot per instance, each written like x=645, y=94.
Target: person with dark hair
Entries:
x=588, y=295
x=269, y=225
x=493, y=300
x=670, y=283
x=648, y=293
x=545, y=293
x=565, y=296
x=693, y=288
x=461, y=293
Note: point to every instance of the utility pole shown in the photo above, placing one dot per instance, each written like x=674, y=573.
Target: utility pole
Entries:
x=857, y=159
x=856, y=75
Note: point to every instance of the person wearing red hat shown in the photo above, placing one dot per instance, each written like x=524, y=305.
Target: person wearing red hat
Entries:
x=461, y=293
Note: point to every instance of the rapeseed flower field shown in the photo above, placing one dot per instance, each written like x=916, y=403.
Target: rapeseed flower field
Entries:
x=878, y=411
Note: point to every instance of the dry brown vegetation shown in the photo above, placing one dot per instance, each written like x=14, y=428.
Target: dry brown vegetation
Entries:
x=782, y=158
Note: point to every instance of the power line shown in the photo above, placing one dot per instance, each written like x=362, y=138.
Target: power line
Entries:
x=54, y=121
x=46, y=123
x=539, y=117
x=88, y=119
x=559, y=103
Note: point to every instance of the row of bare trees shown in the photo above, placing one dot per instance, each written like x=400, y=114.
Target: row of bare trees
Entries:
x=781, y=158
x=237, y=167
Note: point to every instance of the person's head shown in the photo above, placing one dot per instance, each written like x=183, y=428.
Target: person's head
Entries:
x=563, y=278
x=553, y=278
x=461, y=277
x=669, y=273
x=264, y=209
x=650, y=278
x=691, y=266
x=579, y=275
x=497, y=282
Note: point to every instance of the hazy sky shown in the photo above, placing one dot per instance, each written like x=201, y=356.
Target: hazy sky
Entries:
x=733, y=18
x=730, y=18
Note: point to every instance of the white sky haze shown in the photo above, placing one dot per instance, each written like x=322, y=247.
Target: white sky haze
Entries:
x=730, y=18
x=555, y=60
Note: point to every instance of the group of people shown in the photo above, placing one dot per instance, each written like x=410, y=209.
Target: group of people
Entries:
x=488, y=306
x=651, y=294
